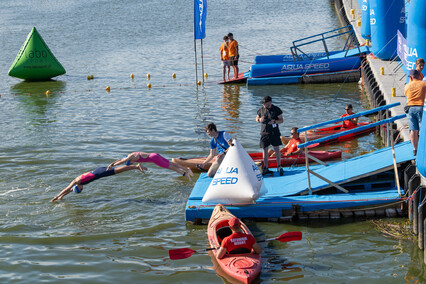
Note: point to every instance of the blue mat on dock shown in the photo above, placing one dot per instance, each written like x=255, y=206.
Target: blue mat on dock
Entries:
x=295, y=180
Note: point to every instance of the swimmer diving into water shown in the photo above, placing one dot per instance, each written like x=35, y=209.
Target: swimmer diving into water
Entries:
x=77, y=184
x=142, y=157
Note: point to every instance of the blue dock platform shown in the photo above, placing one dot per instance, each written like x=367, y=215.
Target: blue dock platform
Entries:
x=369, y=180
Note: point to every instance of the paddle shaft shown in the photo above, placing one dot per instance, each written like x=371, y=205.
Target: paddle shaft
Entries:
x=183, y=253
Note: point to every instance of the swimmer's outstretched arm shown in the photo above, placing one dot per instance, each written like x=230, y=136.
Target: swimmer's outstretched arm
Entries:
x=66, y=190
x=131, y=157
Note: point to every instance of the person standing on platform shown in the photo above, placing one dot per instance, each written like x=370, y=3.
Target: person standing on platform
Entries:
x=415, y=92
x=221, y=140
x=350, y=123
x=233, y=54
x=270, y=116
x=224, y=57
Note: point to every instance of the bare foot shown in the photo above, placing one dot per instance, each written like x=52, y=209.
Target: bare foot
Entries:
x=191, y=174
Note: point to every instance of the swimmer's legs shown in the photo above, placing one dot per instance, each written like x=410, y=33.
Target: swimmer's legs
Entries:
x=181, y=170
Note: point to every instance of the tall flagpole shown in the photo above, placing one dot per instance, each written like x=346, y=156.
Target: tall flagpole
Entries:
x=202, y=60
x=196, y=69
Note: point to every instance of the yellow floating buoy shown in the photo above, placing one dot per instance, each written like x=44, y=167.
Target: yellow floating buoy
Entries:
x=205, y=75
x=358, y=23
x=199, y=83
x=367, y=42
x=382, y=71
x=47, y=93
x=174, y=75
x=90, y=77
x=394, y=92
x=108, y=89
x=149, y=86
x=148, y=76
x=132, y=76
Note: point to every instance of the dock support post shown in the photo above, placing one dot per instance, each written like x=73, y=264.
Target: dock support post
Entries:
x=412, y=184
x=424, y=245
x=416, y=210
x=421, y=226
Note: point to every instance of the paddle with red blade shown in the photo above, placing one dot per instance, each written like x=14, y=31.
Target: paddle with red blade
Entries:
x=183, y=253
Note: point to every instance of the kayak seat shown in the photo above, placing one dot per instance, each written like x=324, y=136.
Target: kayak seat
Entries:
x=240, y=251
x=223, y=232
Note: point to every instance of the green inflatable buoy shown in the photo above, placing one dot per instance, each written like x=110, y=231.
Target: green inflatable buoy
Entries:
x=35, y=61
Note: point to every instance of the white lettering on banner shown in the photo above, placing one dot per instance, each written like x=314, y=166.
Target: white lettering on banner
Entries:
x=372, y=21
x=319, y=66
x=224, y=180
x=201, y=9
x=364, y=7
x=259, y=177
x=239, y=241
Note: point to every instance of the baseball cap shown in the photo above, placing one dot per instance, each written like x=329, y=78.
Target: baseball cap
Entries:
x=266, y=99
x=234, y=222
x=414, y=73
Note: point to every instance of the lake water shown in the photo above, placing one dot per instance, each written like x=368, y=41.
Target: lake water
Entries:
x=121, y=228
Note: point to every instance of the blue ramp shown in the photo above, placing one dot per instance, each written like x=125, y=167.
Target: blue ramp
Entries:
x=340, y=172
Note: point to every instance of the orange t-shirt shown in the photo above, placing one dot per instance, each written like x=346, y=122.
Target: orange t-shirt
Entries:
x=224, y=51
x=415, y=92
x=233, y=48
x=291, y=147
x=348, y=123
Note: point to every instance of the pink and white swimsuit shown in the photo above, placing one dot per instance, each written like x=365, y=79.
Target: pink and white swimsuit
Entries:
x=154, y=158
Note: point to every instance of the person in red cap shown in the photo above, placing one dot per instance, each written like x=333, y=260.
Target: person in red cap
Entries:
x=238, y=241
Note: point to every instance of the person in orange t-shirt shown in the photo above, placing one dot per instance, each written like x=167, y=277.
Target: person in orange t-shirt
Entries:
x=415, y=92
x=233, y=54
x=350, y=123
x=224, y=56
x=291, y=147
x=238, y=241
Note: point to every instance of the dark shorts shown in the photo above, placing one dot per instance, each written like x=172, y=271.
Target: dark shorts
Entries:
x=234, y=60
x=269, y=139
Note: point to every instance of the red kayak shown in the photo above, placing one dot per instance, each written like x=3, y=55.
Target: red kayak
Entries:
x=297, y=159
x=244, y=267
x=327, y=131
x=258, y=157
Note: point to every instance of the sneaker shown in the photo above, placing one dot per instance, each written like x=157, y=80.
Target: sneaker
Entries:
x=281, y=171
x=415, y=152
x=266, y=171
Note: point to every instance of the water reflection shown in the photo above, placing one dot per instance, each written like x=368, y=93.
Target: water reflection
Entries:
x=231, y=104
x=33, y=98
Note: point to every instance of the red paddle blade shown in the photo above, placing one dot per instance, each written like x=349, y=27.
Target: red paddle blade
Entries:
x=290, y=236
x=181, y=253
